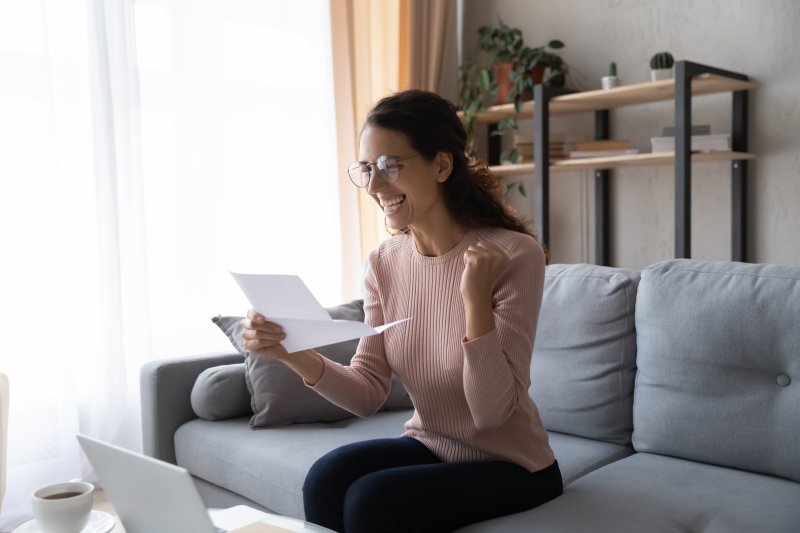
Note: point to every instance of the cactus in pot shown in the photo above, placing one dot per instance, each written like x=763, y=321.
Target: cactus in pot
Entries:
x=661, y=66
x=611, y=81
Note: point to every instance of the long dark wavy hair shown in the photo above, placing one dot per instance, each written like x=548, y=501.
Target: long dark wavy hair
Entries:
x=474, y=196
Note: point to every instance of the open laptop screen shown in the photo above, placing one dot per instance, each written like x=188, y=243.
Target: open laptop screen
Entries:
x=149, y=495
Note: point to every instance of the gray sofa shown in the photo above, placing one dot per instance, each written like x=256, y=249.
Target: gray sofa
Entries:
x=671, y=397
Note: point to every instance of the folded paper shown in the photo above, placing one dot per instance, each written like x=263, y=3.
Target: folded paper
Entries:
x=287, y=301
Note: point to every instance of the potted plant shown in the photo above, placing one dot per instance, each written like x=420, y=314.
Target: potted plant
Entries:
x=661, y=66
x=612, y=80
x=504, y=70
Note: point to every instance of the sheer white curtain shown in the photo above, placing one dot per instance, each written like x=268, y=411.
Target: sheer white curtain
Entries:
x=146, y=147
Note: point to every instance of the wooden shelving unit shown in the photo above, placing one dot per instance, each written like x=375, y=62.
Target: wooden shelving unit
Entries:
x=624, y=95
x=691, y=79
x=619, y=161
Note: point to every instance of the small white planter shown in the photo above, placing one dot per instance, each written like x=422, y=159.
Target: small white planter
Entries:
x=660, y=74
x=609, y=82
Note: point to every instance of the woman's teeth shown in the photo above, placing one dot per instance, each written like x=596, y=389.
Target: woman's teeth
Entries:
x=391, y=205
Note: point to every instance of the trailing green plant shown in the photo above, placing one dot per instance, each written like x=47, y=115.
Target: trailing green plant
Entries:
x=478, y=83
x=662, y=60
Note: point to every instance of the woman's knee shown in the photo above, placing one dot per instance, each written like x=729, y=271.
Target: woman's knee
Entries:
x=331, y=464
x=370, y=504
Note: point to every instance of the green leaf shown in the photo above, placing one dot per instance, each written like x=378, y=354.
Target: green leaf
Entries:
x=554, y=61
x=555, y=44
x=513, y=155
x=484, y=79
x=508, y=123
x=522, y=190
x=473, y=107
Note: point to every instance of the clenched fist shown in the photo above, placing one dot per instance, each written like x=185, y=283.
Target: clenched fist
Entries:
x=483, y=264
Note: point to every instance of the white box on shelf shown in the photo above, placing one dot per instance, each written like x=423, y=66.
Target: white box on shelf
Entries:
x=712, y=142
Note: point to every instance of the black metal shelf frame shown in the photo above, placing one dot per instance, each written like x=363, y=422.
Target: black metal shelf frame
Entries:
x=684, y=72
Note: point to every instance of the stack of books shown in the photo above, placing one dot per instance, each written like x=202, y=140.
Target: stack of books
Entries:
x=702, y=140
x=525, y=147
x=601, y=148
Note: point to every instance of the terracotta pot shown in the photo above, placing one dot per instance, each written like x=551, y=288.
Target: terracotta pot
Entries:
x=501, y=71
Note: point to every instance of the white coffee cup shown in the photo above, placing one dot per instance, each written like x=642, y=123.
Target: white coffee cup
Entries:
x=63, y=507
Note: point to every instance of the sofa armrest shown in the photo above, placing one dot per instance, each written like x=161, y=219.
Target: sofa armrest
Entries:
x=166, y=387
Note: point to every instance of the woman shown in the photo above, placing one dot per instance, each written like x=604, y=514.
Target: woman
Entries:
x=470, y=276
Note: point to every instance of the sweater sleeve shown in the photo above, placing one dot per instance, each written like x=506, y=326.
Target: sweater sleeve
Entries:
x=363, y=386
x=497, y=364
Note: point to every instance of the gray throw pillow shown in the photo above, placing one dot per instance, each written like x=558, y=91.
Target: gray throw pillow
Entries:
x=278, y=396
x=220, y=392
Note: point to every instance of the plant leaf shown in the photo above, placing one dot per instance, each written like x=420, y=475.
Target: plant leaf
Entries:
x=507, y=123
x=484, y=79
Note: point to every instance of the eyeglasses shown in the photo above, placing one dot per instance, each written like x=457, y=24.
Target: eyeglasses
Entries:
x=388, y=166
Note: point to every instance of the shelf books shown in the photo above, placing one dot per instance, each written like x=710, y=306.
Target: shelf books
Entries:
x=584, y=154
x=603, y=144
x=525, y=147
x=601, y=148
x=720, y=142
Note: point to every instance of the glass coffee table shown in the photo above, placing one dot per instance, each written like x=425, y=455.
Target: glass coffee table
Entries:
x=243, y=519
x=260, y=522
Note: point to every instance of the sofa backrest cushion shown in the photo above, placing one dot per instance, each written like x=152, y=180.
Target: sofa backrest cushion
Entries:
x=584, y=358
x=719, y=364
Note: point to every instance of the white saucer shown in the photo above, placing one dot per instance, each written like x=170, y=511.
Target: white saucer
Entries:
x=99, y=522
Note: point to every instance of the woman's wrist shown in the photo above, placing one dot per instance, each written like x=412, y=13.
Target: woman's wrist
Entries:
x=308, y=364
x=479, y=317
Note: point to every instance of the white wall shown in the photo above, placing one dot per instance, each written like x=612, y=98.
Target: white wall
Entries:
x=754, y=37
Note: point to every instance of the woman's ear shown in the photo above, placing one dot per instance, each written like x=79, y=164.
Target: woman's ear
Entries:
x=444, y=161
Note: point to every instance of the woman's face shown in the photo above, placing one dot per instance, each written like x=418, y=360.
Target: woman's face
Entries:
x=414, y=198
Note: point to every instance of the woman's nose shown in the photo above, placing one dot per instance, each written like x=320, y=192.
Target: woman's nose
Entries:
x=376, y=182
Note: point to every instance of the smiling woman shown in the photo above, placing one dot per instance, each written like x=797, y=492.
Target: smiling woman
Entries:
x=471, y=275
x=139, y=165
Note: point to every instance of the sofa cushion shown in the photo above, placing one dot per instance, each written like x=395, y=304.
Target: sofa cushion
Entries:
x=719, y=364
x=577, y=456
x=584, y=359
x=220, y=392
x=269, y=466
x=279, y=396
x=653, y=493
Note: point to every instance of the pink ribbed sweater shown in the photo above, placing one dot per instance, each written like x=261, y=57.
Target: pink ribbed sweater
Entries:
x=471, y=398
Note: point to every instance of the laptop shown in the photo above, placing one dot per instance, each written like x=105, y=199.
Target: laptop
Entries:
x=149, y=495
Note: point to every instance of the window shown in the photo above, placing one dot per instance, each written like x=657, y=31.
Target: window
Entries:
x=238, y=156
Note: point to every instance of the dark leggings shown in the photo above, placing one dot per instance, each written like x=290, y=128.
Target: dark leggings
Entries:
x=399, y=485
